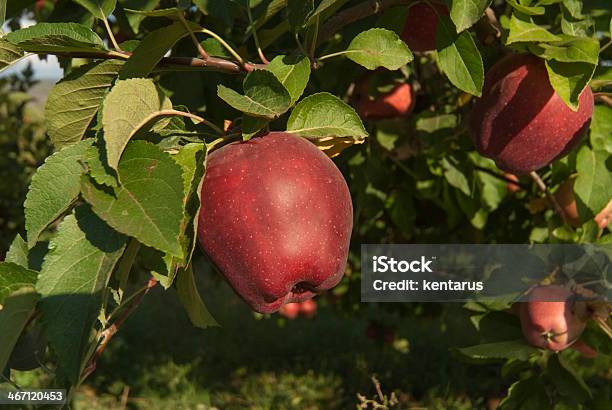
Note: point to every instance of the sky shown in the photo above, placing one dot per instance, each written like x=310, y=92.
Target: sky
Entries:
x=48, y=69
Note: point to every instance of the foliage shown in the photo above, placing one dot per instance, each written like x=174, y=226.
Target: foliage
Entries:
x=149, y=92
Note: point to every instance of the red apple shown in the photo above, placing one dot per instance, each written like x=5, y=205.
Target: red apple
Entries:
x=604, y=217
x=308, y=308
x=520, y=121
x=276, y=219
x=289, y=310
x=420, y=26
x=395, y=103
x=551, y=319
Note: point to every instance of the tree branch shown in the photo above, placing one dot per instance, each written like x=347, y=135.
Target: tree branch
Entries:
x=542, y=186
x=357, y=12
x=109, y=332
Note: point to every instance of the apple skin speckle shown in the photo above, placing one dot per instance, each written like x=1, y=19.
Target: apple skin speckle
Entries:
x=276, y=219
x=520, y=121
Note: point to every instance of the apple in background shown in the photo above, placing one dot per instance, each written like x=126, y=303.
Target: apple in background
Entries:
x=419, y=31
x=397, y=102
x=564, y=195
x=520, y=121
x=289, y=310
x=308, y=308
x=276, y=219
x=551, y=318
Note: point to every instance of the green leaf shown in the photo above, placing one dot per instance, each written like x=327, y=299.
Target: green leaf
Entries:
x=292, y=72
x=99, y=8
x=130, y=105
x=575, y=49
x=515, y=349
x=14, y=277
x=522, y=30
x=251, y=126
x=54, y=187
x=152, y=49
x=465, y=13
x=580, y=28
x=601, y=128
x=265, y=96
x=324, y=8
x=2, y=20
x=18, y=252
x=455, y=176
x=73, y=277
x=297, y=11
x=379, y=47
x=73, y=103
x=574, y=7
x=459, y=57
x=219, y=9
x=214, y=48
x=9, y=54
x=593, y=186
x=527, y=10
x=526, y=394
x=324, y=115
x=149, y=203
x=15, y=314
x=190, y=298
x=569, y=79
x=191, y=158
x=57, y=38
x=97, y=165
x=568, y=382
x=172, y=13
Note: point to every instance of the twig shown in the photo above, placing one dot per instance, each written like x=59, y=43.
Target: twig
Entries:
x=196, y=43
x=262, y=57
x=603, y=98
x=108, y=333
x=357, y=12
x=542, y=186
x=313, y=44
x=500, y=177
x=111, y=36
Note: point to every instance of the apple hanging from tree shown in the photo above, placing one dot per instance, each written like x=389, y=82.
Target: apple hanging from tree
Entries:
x=520, y=121
x=551, y=318
x=276, y=219
x=289, y=310
x=421, y=23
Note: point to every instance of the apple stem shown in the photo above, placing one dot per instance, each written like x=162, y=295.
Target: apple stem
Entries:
x=262, y=57
x=542, y=186
x=500, y=177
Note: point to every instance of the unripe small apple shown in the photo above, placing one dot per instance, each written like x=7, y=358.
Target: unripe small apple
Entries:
x=276, y=219
x=397, y=102
x=551, y=318
x=421, y=23
x=289, y=310
x=520, y=122
x=308, y=308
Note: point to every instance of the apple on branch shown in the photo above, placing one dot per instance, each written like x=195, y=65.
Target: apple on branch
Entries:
x=421, y=23
x=520, y=122
x=276, y=219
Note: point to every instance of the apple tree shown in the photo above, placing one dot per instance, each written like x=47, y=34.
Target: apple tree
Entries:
x=214, y=121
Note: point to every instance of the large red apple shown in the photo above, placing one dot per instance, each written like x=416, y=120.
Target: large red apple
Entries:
x=551, y=318
x=276, y=219
x=520, y=121
x=421, y=23
x=397, y=102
